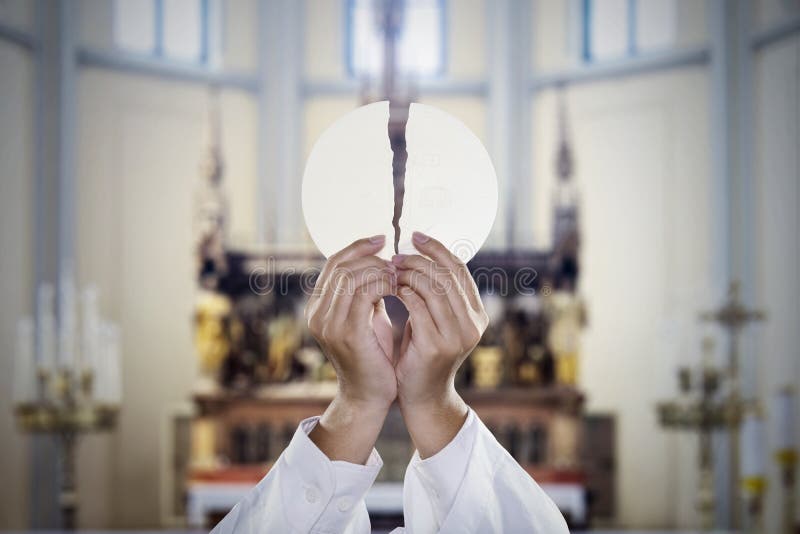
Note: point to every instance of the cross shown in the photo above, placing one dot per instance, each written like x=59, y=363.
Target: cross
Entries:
x=733, y=316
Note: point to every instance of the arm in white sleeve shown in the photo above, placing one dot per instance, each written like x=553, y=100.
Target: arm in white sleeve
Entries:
x=305, y=492
x=474, y=485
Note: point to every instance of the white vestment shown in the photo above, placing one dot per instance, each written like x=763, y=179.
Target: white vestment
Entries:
x=471, y=486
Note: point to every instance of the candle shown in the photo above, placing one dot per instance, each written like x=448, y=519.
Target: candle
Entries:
x=66, y=319
x=108, y=379
x=101, y=364
x=753, y=452
x=46, y=327
x=89, y=328
x=24, y=364
x=784, y=413
x=114, y=364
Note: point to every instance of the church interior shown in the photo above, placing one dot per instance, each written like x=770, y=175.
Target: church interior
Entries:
x=642, y=361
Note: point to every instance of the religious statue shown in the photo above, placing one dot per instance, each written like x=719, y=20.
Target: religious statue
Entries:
x=567, y=318
x=211, y=336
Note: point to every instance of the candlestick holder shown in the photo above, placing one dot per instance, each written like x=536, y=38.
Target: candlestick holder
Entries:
x=753, y=490
x=701, y=409
x=787, y=461
x=66, y=409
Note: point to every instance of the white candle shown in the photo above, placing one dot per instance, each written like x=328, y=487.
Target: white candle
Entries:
x=89, y=328
x=101, y=364
x=66, y=319
x=783, y=411
x=115, y=364
x=753, y=451
x=109, y=377
x=46, y=327
x=24, y=363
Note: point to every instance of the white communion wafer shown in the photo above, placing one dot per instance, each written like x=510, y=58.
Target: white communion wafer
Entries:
x=451, y=186
x=450, y=183
x=347, y=184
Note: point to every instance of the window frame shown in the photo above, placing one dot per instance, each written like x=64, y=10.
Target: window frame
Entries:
x=633, y=48
x=349, y=38
x=159, y=53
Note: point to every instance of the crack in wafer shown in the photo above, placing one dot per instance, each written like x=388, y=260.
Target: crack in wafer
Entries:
x=398, y=118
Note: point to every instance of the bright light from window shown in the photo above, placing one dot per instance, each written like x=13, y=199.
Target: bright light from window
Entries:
x=655, y=24
x=366, y=40
x=421, y=40
x=182, y=29
x=609, y=29
x=134, y=25
x=616, y=29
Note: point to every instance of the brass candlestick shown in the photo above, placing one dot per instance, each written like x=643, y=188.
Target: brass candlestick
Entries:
x=787, y=460
x=786, y=453
x=66, y=409
x=700, y=410
x=733, y=317
x=753, y=490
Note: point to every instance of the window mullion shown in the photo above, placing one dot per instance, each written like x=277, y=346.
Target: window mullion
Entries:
x=159, y=28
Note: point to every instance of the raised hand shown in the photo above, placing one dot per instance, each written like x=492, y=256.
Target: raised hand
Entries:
x=446, y=321
x=347, y=317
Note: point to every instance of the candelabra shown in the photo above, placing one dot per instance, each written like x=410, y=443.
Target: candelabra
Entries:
x=701, y=409
x=720, y=405
x=76, y=393
x=733, y=317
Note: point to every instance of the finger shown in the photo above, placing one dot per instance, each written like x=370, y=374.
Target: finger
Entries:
x=367, y=297
x=351, y=275
x=356, y=256
x=418, y=313
x=364, y=270
x=441, y=255
x=346, y=294
x=435, y=297
x=357, y=249
x=444, y=277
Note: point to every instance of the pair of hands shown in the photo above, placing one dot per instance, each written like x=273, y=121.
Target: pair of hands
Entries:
x=347, y=316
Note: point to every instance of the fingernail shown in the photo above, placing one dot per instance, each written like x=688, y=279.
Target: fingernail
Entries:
x=398, y=259
x=377, y=239
x=419, y=237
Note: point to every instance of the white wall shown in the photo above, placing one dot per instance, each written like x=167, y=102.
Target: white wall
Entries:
x=642, y=165
x=777, y=192
x=16, y=264
x=641, y=148
x=139, y=153
x=141, y=141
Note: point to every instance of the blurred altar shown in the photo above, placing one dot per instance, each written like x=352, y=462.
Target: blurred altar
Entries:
x=641, y=276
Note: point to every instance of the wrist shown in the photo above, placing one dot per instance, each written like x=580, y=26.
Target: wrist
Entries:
x=428, y=398
x=434, y=421
x=364, y=409
x=348, y=429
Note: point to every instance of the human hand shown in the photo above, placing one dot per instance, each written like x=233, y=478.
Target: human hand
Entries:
x=446, y=321
x=347, y=317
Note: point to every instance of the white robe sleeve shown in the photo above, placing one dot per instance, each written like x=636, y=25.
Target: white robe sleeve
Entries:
x=473, y=486
x=305, y=492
